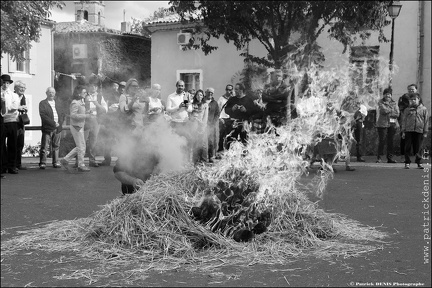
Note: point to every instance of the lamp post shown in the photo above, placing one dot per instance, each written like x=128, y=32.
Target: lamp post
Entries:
x=393, y=10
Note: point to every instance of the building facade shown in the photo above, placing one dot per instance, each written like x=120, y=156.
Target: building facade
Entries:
x=36, y=73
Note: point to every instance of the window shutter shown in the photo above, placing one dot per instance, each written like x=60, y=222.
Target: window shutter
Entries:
x=33, y=60
x=12, y=64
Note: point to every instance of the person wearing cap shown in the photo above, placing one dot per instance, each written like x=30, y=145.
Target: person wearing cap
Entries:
x=9, y=112
x=212, y=123
x=387, y=114
x=414, y=129
x=97, y=107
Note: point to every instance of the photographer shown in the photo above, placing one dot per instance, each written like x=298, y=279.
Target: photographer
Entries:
x=179, y=107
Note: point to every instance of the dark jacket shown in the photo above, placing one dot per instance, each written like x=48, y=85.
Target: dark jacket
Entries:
x=47, y=116
x=252, y=110
x=415, y=119
x=213, y=113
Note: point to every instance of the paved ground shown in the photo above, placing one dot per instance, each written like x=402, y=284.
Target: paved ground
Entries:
x=384, y=195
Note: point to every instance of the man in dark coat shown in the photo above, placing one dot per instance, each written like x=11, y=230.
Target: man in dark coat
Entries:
x=52, y=118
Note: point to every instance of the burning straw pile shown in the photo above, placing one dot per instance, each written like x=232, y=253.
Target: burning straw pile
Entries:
x=248, y=208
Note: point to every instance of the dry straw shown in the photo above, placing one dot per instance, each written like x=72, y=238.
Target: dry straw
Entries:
x=153, y=228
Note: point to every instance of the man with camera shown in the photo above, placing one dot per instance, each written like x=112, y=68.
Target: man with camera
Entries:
x=179, y=107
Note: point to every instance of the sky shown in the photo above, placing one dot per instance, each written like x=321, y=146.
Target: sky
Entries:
x=113, y=11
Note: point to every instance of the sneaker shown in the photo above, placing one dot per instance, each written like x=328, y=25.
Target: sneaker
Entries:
x=349, y=168
x=391, y=161
x=420, y=166
x=379, y=160
x=360, y=159
x=42, y=166
x=407, y=165
x=56, y=165
x=83, y=169
x=75, y=166
x=64, y=163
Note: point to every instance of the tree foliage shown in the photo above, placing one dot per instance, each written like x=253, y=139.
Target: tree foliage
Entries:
x=21, y=24
x=283, y=27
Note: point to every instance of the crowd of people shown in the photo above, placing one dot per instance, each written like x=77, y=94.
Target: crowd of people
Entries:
x=209, y=127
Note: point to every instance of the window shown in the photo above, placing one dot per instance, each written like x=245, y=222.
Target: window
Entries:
x=86, y=15
x=364, y=68
x=23, y=66
x=192, y=78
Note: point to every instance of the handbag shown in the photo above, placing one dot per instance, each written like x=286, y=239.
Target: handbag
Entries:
x=23, y=119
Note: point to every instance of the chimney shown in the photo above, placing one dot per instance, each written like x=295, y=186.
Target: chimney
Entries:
x=125, y=26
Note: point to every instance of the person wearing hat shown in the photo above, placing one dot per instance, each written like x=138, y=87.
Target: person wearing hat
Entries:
x=9, y=112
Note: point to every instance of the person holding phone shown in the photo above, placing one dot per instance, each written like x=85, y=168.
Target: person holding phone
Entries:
x=179, y=107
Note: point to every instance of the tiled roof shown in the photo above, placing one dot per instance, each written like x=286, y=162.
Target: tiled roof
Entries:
x=170, y=19
x=174, y=18
x=82, y=26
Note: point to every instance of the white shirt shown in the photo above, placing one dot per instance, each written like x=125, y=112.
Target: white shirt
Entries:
x=221, y=102
x=12, y=102
x=173, y=102
x=154, y=103
x=52, y=104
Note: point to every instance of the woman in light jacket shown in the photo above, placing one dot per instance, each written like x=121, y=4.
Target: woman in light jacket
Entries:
x=387, y=124
x=78, y=117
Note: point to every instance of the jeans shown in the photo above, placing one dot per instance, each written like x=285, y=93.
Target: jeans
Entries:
x=79, y=150
x=386, y=134
x=415, y=140
x=48, y=138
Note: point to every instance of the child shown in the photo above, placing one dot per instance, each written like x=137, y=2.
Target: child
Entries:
x=414, y=128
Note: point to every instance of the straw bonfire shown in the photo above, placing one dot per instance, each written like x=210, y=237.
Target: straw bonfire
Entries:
x=250, y=207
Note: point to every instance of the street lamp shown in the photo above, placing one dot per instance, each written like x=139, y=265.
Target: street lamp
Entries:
x=393, y=10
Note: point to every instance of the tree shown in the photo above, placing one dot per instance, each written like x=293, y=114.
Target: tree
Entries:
x=20, y=24
x=283, y=27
